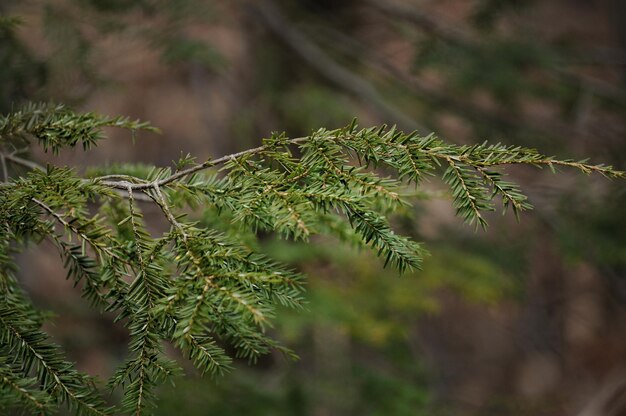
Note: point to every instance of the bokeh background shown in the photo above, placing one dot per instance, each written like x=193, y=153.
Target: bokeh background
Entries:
x=526, y=318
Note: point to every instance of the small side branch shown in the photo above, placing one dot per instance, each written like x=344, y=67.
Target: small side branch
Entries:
x=73, y=229
x=162, y=203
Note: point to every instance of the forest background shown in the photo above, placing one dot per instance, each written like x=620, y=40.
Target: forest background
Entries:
x=525, y=318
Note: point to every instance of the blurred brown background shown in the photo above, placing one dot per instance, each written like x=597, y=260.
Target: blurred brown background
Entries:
x=524, y=319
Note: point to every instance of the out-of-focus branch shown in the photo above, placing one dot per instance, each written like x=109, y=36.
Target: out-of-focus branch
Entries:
x=319, y=60
x=429, y=24
x=610, y=399
x=436, y=96
x=468, y=39
x=22, y=162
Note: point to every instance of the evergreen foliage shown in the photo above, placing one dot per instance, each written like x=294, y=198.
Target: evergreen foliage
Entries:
x=200, y=288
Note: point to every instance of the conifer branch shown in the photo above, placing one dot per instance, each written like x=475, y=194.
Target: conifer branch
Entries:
x=57, y=376
x=444, y=152
x=469, y=198
x=204, y=289
x=24, y=390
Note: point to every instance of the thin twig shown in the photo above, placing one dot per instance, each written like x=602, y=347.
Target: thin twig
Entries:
x=168, y=213
x=186, y=172
x=35, y=166
x=22, y=162
x=131, y=208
